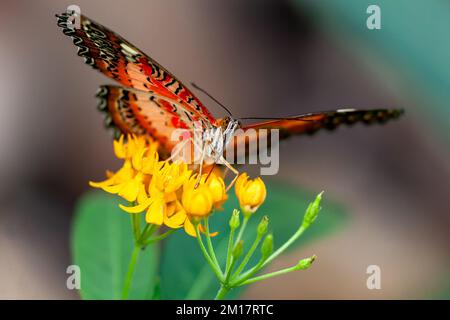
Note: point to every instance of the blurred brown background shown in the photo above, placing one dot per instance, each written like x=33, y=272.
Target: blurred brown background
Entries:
x=261, y=58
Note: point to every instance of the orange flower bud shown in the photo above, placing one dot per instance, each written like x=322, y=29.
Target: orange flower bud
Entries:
x=250, y=192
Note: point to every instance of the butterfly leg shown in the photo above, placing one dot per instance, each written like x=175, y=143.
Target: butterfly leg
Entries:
x=225, y=172
x=201, y=166
x=232, y=169
x=180, y=148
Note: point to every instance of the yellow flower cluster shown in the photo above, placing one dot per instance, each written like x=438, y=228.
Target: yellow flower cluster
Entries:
x=169, y=192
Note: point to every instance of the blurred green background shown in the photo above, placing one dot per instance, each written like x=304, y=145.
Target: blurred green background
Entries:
x=261, y=58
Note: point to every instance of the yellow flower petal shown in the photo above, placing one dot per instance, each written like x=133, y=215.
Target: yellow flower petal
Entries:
x=166, y=191
x=142, y=195
x=170, y=209
x=176, y=220
x=119, y=148
x=169, y=197
x=150, y=161
x=155, y=212
x=211, y=234
x=251, y=193
x=100, y=184
x=218, y=191
x=115, y=189
x=136, y=159
x=189, y=228
x=197, y=202
x=136, y=209
x=130, y=190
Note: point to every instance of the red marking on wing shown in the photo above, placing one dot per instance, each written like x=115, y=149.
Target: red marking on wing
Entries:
x=142, y=113
x=178, y=123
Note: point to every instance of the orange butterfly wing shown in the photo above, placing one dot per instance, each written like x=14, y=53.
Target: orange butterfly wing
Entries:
x=309, y=124
x=142, y=113
x=156, y=102
x=115, y=57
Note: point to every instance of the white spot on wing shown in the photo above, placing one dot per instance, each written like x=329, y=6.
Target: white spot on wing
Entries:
x=128, y=49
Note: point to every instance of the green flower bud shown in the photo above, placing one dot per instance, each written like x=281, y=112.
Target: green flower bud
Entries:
x=263, y=225
x=238, y=250
x=306, y=263
x=267, y=246
x=312, y=211
x=235, y=220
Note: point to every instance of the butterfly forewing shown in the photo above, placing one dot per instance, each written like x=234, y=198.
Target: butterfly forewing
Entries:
x=309, y=123
x=117, y=58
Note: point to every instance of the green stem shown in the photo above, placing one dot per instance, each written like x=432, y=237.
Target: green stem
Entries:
x=203, y=278
x=144, y=231
x=214, y=267
x=212, y=254
x=229, y=255
x=230, y=260
x=247, y=256
x=129, y=276
x=228, y=275
x=269, y=275
x=136, y=226
x=247, y=274
x=262, y=263
x=223, y=291
x=280, y=250
x=160, y=237
x=244, y=225
x=147, y=232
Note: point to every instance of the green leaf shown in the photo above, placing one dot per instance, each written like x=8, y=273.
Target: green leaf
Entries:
x=102, y=243
x=185, y=273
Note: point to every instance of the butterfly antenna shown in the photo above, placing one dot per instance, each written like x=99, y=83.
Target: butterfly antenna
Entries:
x=212, y=98
x=275, y=118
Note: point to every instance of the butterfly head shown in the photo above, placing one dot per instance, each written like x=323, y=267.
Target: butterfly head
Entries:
x=228, y=126
x=228, y=123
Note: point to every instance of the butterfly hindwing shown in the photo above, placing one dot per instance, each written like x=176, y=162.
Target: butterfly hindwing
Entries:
x=137, y=112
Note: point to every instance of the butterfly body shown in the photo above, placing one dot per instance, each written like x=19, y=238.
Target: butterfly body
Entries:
x=217, y=138
x=152, y=101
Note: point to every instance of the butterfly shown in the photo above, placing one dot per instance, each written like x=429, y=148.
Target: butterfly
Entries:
x=152, y=101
